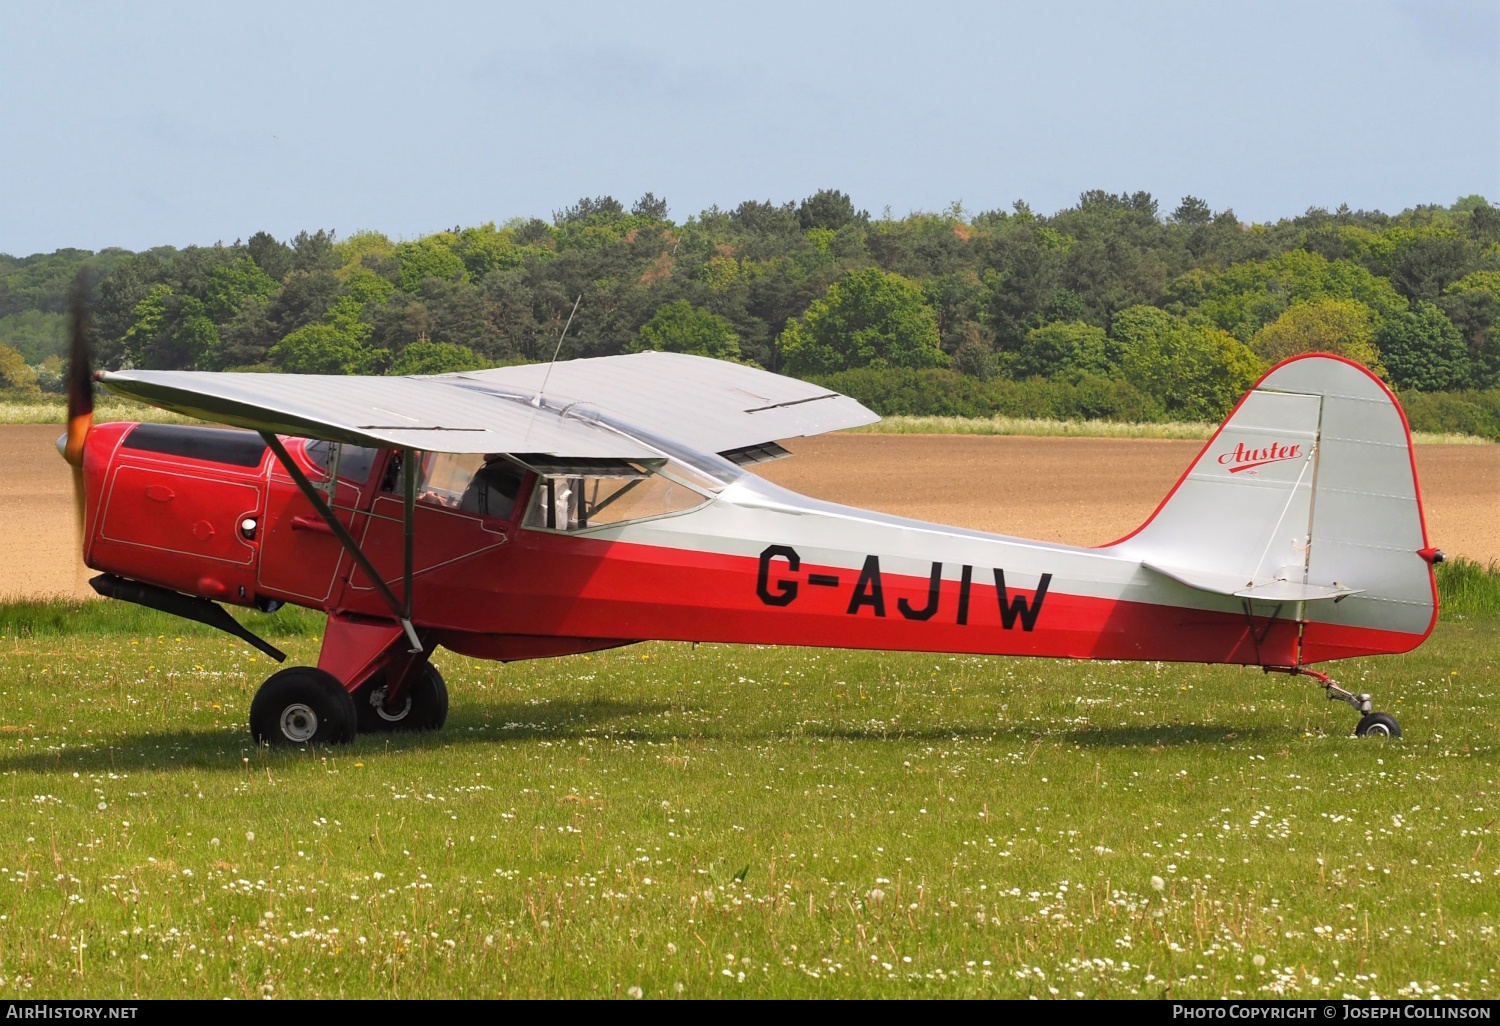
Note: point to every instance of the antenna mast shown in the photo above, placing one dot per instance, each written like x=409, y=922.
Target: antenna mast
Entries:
x=536, y=400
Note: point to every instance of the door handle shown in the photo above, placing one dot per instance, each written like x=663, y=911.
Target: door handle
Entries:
x=315, y=524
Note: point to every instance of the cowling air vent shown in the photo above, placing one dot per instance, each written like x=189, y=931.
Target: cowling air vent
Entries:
x=749, y=455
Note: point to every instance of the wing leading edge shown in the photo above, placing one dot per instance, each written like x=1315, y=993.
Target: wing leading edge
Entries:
x=703, y=404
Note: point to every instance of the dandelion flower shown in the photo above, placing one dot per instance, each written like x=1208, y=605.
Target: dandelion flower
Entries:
x=1259, y=961
x=1158, y=883
x=635, y=992
x=249, y=835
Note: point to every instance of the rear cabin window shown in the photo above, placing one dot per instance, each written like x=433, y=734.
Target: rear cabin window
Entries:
x=216, y=445
x=354, y=461
x=469, y=482
x=579, y=503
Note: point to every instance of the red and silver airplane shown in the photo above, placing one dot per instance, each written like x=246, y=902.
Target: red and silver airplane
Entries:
x=543, y=510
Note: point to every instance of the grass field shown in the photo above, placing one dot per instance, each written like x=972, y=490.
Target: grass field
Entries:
x=669, y=820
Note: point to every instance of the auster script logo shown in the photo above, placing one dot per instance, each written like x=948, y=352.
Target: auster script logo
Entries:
x=1245, y=458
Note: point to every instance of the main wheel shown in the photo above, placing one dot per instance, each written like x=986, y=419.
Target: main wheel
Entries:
x=1378, y=724
x=303, y=705
x=425, y=706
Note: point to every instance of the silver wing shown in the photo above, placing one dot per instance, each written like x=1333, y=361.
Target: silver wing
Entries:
x=607, y=407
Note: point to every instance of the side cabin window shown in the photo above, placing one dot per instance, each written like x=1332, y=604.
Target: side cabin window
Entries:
x=468, y=482
x=606, y=497
x=353, y=462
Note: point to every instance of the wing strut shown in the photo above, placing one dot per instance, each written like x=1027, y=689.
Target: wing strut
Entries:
x=400, y=608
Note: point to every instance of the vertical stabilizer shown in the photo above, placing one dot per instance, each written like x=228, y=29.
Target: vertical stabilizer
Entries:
x=1306, y=495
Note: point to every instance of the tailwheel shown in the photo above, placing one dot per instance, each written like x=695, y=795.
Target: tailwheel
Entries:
x=1371, y=724
x=423, y=707
x=302, y=705
x=1378, y=724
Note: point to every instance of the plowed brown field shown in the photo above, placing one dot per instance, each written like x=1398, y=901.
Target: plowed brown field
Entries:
x=1081, y=491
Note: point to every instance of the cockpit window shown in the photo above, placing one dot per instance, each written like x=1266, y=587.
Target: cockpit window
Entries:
x=579, y=503
x=354, y=461
x=470, y=482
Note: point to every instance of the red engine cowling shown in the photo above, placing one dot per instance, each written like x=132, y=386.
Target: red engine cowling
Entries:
x=176, y=506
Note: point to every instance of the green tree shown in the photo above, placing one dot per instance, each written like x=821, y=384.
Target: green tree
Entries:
x=430, y=257
x=828, y=208
x=231, y=285
x=1473, y=305
x=1344, y=327
x=196, y=337
x=1244, y=298
x=424, y=357
x=15, y=376
x=362, y=245
x=1196, y=371
x=271, y=256
x=148, y=320
x=1423, y=350
x=1062, y=347
x=323, y=349
x=680, y=327
x=868, y=319
x=485, y=249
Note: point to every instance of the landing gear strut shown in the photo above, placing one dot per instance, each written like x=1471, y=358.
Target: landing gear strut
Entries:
x=1371, y=724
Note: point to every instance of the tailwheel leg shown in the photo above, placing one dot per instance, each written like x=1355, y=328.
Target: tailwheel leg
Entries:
x=1371, y=724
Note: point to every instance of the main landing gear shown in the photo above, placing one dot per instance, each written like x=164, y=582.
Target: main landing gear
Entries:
x=1371, y=724
x=304, y=705
x=423, y=707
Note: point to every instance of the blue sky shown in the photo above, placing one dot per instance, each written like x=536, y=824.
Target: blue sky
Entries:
x=141, y=124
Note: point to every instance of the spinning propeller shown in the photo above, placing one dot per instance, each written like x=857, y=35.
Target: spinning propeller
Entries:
x=80, y=395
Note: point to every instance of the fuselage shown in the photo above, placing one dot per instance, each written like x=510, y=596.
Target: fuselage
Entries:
x=735, y=559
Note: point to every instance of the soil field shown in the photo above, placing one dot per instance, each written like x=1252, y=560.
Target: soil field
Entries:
x=1080, y=491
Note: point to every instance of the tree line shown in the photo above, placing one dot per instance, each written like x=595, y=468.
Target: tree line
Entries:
x=1107, y=308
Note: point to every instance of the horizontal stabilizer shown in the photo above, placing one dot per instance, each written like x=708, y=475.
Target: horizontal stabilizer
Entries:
x=1295, y=591
x=1260, y=590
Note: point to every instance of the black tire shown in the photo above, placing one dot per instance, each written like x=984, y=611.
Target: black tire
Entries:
x=426, y=706
x=303, y=705
x=1378, y=724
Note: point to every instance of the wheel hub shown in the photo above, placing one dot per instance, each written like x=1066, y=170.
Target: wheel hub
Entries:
x=298, y=722
x=377, y=701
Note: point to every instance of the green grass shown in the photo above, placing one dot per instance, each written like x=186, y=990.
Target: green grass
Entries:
x=910, y=425
x=1468, y=589
x=54, y=410
x=746, y=821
